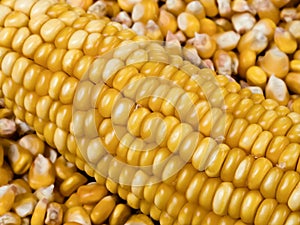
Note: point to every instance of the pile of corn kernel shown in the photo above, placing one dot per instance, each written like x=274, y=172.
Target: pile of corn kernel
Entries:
x=255, y=42
x=38, y=186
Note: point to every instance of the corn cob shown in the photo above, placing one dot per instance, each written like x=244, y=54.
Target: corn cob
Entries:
x=49, y=69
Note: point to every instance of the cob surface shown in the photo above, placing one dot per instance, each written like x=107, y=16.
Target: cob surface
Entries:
x=222, y=154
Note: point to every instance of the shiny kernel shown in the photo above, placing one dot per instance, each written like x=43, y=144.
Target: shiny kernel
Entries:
x=103, y=209
x=71, y=184
x=207, y=193
x=250, y=205
x=286, y=186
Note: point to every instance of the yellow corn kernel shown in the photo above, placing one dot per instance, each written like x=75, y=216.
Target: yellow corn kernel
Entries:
x=166, y=22
x=33, y=144
x=210, y=7
x=144, y=11
x=10, y=218
x=223, y=25
x=63, y=168
x=293, y=28
x=247, y=58
x=69, y=185
x=293, y=218
x=54, y=214
x=224, y=8
x=227, y=40
x=120, y=214
x=287, y=159
x=270, y=182
x=243, y=22
x=223, y=62
x=254, y=40
x=295, y=65
x=20, y=159
x=91, y=193
x=39, y=213
x=205, y=45
x=41, y=173
x=295, y=106
x=208, y=26
x=175, y=6
x=188, y=23
x=222, y=198
x=77, y=214
x=103, y=209
x=196, y=8
x=236, y=200
x=292, y=82
x=267, y=10
x=7, y=196
x=24, y=204
x=280, y=214
x=208, y=192
x=153, y=31
x=292, y=202
x=264, y=211
x=256, y=76
x=127, y=5
x=275, y=62
x=250, y=205
x=276, y=89
x=285, y=41
x=85, y=4
x=286, y=186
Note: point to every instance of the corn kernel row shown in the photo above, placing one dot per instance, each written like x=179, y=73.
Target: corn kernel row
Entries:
x=211, y=26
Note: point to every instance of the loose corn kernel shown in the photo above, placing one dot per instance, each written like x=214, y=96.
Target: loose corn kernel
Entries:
x=254, y=40
x=103, y=209
x=69, y=185
x=256, y=76
x=208, y=26
x=210, y=7
x=196, y=8
x=188, y=23
x=285, y=41
x=227, y=40
x=10, y=218
x=247, y=58
x=20, y=158
x=243, y=22
x=276, y=89
x=166, y=22
x=224, y=8
x=144, y=11
x=293, y=28
x=63, y=168
x=7, y=196
x=120, y=214
x=267, y=9
x=292, y=82
x=54, y=214
x=33, y=144
x=39, y=213
x=91, y=193
x=24, y=204
x=77, y=214
x=175, y=6
x=41, y=173
x=275, y=62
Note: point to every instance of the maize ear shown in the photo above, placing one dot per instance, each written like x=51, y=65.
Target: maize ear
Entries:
x=178, y=142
